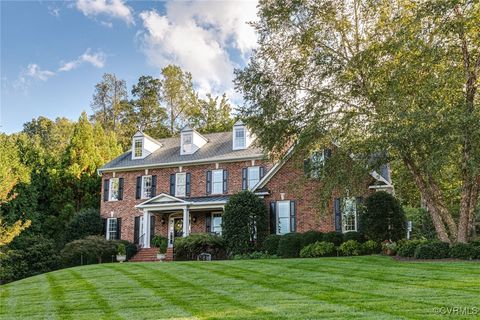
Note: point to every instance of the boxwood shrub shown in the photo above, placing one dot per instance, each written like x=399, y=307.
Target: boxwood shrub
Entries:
x=270, y=244
x=432, y=250
x=371, y=247
x=318, y=249
x=190, y=247
x=350, y=248
x=465, y=251
x=290, y=245
x=334, y=237
x=310, y=237
x=406, y=248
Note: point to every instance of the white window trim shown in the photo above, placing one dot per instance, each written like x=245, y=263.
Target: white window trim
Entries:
x=108, y=227
x=135, y=140
x=142, y=196
x=176, y=184
x=211, y=222
x=249, y=175
x=343, y=217
x=235, y=147
x=277, y=214
x=213, y=181
x=110, y=189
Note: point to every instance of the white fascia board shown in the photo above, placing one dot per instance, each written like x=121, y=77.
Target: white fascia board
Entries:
x=192, y=205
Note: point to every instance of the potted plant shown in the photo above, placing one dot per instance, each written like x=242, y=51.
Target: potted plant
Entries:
x=160, y=243
x=121, y=252
x=389, y=248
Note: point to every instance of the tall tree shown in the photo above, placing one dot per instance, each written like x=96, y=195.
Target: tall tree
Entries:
x=396, y=76
x=211, y=115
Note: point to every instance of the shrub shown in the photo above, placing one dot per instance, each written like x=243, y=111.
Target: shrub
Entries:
x=318, y=249
x=432, y=250
x=270, y=244
x=26, y=256
x=130, y=248
x=334, y=237
x=350, y=248
x=244, y=223
x=161, y=243
x=190, y=247
x=310, y=237
x=121, y=250
x=86, y=222
x=352, y=235
x=383, y=218
x=422, y=225
x=465, y=251
x=406, y=248
x=371, y=247
x=389, y=247
x=254, y=255
x=290, y=245
x=92, y=249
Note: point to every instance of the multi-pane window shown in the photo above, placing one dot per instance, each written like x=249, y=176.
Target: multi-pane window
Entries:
x=138, y=148
x=111, y=229
x=114, y=189
x=253, y=176
x=180, y=184
x=317, y=161
x=217, y=223
x=217, y=181
x=349, y=211
x=240, y=138
x=146, y=187
x=283, y=217
x=187, y=142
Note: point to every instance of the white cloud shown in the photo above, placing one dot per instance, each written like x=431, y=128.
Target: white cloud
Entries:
x=96, y=59
x=112, y=8
x=204, y=38
x=54, y=11
x=34, y=71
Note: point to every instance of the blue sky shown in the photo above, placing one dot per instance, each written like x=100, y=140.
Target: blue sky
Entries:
x=53, y=53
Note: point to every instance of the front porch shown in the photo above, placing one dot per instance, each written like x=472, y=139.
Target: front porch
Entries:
x=173, y=217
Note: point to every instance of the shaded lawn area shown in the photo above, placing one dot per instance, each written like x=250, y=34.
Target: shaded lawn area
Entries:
x=371, y=287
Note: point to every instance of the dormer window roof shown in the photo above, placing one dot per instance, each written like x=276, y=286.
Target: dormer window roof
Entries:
x=143, y=146
x=190, y=141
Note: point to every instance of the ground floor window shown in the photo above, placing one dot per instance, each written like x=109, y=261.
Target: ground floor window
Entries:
x=349, y=211
x=112, y=228
x=216, y=223
x=283, y=217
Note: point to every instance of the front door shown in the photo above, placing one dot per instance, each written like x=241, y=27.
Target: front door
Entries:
x=177, y=227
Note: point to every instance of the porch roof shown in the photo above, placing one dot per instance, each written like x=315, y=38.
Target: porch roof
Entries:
x=167, y=202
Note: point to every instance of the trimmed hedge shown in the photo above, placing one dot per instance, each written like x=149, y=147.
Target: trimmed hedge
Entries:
x=371, y=247
x=318, y=249
x=92, y=249
x=334, y=237
x=270, y=244
x=310, y=237
x=406, y=248
x=190, y=247
x=350, y=248
x=432, y=250
x=290, y=245
x=465, y=251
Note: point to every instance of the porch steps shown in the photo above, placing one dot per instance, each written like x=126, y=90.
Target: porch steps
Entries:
x=145, y=255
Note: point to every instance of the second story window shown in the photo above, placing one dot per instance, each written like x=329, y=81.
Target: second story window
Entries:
x=240, y=138
x=217, y=181
x=314, y=165
x=180, y=184
x=138, y=148
x=146, y=187
x=253, y=176
x=114, y=194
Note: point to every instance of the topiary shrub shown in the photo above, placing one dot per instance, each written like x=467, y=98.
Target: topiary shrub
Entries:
x=190, y=247
x=244, y=223
x=318, y=249
x=334, y=237
x=432, y=250
x=270, y=244
x=352, y=235
x=350, y=248
x=161, y=243
x=406, y=248
x=92, y=249
x=371, y=247
x=86, y=222
x=310, y=237
x=290, y=245
x=466, y=251
x=382, y=218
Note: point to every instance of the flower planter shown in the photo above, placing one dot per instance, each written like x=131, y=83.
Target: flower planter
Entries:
x=121, y=258
x=161, y=256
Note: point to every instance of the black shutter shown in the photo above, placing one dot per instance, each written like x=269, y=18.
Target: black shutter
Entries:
x=172, y=184
x=154, y=186
x=120, y=189
x=136, y=230
x=152, y=227
x=262, y=172
x=187, y=184
x=307, y=167
x=273, y=218
x=208, y=222
x=106, y=189
x=225, y=181
x=338, y=215
x=104, y=229
x=119, y=228
x=138, y=193
x=244, y=178
x=293, y=216
x=209, y=182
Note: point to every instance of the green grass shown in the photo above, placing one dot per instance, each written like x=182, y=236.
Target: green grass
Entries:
x=330, y=288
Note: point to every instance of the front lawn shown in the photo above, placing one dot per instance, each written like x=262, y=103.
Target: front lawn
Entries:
x=370, y=287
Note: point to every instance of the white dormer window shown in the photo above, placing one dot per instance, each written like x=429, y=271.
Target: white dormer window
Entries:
x=190, y=141
x=239, y=138
x=138, y=148
x=187, y=143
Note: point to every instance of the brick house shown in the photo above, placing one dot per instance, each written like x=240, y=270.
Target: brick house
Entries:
x=177, y=186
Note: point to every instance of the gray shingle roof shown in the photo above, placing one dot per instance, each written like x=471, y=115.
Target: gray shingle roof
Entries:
x=218, y=148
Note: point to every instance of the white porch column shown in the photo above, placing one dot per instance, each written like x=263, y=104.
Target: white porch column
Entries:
x=146, y=229
x=186, y=221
